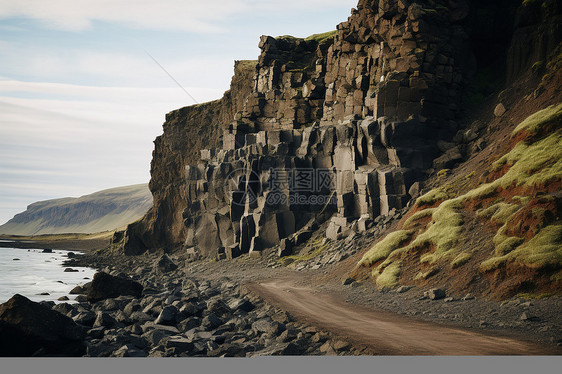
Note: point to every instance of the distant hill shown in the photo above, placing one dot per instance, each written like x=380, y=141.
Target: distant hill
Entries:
x=101, y=211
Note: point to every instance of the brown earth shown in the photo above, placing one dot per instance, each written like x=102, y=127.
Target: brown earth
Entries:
x=387, y=333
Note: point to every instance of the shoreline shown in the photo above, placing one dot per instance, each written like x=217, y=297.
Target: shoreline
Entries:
x=86, y=243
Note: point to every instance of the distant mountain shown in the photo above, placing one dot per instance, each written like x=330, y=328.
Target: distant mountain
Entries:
x=101, y=211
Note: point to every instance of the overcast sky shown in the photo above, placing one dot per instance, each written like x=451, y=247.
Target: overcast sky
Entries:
x=81, y=101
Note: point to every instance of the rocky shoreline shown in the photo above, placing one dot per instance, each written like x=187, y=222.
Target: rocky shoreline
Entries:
x=180, y=307
x=177, y=315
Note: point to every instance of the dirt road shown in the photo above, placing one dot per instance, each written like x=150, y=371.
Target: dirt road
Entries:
x=387, y=333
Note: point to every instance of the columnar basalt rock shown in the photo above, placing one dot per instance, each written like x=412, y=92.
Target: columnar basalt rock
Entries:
x=357, y=113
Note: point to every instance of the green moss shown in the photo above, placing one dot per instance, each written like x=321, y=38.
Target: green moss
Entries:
x=433, y=196
x=534, y=123
x=534, y=296
x=522, y=200
x=313, y=248
x=419, y=215
x=443, y=173
x=426, y=274
x=460, y=260
x=543, y=250
x=321, y=37
x=442, y=233
x=389, y=276
x=532, y=164
x=507, y=245
x=384, y=248
x=286, y=37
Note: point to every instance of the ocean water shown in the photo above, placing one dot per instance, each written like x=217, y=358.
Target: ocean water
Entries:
x=36, y=272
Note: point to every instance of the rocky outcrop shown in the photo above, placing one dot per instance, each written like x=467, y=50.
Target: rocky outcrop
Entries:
x=363, y=105
x=336, y=126
x=186, y=132
x=537, y=33
x=28, y=328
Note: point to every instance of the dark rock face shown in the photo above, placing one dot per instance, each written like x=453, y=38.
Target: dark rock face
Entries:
x=28, y=328
x=105, y=286
x=538, y=31
x=369, y=106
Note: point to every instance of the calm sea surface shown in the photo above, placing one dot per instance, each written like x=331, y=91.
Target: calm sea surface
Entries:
x=35, y=272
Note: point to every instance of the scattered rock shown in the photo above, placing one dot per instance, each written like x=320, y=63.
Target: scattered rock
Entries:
x=63, y=298
x=468, y=296
x=180, y=344
x=167, y=316
x=403, y=289
x=211, y=322
x=348, y=281
x=526, y=316
x=86, y=319
x=449, y=299
x=46, y=250
x=71, y=270
x=499, y=110
x=435, y=293
x=104, y=319
x=165, y=264
x=77, y=290
x=241, y=304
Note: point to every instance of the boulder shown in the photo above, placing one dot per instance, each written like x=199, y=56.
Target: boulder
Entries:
x=28, y=328
x=105, y=286
x=104, y=319
x=285, y=247
x=436, y=293
x=167, y=316
x=165, y=264
x=499, y=110
x=76, y=290
x=211, y=322
x=85, y=318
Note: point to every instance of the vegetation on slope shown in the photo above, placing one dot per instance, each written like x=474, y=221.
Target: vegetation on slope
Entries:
x=519, y=204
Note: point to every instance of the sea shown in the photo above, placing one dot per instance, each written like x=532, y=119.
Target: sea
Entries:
x=39, y=276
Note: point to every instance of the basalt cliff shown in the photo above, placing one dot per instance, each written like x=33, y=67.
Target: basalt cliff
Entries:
x=413, y=123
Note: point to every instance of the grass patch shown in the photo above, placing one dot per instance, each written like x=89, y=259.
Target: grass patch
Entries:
x=426, y=274
x=535, y=122
x=389, y=276
x=385, y=247
x=460, y=260
x=507, y=245
x=534, y=296
x=321, y=37
x=443, y=232
x=543, y=250
x=534, y=164
x=419, y=215
x=434, y=196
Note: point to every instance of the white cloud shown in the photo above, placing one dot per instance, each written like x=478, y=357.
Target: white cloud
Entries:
x=188, y=15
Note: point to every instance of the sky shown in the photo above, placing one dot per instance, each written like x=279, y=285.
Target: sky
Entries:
x=82, y=100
